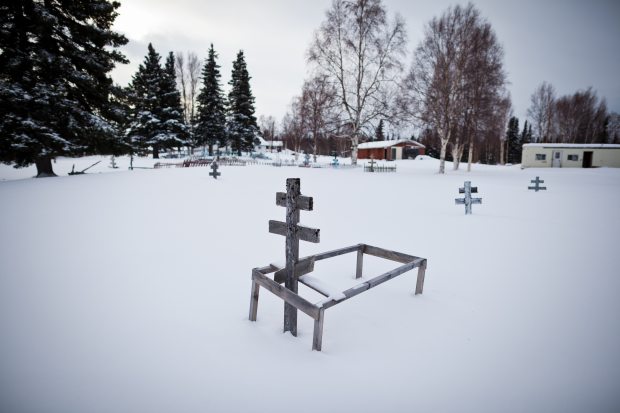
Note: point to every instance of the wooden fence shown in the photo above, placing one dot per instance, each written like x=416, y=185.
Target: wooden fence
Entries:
x=377, y=168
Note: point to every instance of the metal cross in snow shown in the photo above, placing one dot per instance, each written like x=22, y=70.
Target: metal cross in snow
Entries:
x=335, y=161
x=294, y=202
x=215, y=173
x=537, y=186
x=468, y=200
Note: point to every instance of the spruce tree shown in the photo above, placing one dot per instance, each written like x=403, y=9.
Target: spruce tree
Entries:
x=379, y=134
x=211, y=115
x=156, y=119
x=56, y=95
x=525, y=134
x=241, y=123
x=172, y=110
x=513, y=141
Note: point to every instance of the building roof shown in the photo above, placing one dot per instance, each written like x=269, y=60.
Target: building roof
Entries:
x=572, y=145
x=263, y=142
x=387, y=144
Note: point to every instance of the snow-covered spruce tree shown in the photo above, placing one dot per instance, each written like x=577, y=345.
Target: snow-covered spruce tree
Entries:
x=379, y=133
x=241, y=123
x=56, y=97
x=513, y=151
x=172, y=109
x=156, y=119
x=211, y=115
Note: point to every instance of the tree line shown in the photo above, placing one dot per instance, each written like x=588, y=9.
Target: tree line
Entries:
x=454, y=91
x=57, y=98
x=160, y=116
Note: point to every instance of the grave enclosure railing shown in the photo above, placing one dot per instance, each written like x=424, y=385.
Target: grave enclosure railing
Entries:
x=317, y=310
x=295, y=269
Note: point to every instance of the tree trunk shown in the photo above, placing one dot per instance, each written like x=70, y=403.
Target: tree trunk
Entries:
x=44, y=167
x=442, y=156
x=155, y=152
x=354, y=142
x=470, y=155
x=455, y=156
x=501, y=152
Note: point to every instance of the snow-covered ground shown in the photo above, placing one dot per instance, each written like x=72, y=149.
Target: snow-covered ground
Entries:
x=128, y=291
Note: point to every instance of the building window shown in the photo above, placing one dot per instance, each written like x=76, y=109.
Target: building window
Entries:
x=573, y=157
x=541, y=156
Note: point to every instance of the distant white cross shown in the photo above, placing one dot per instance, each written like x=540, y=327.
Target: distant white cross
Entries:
x=468, y=200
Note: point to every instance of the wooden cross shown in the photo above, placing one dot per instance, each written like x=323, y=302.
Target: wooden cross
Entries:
x=372, y=165
x=468, y=200
x=537, y=186
x=215, y=173
x=294, y=202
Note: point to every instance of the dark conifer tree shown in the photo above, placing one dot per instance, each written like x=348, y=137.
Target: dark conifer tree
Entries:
x=513, y=141
x=172, y=110
x=211, y=115
x=153, y=98
x=56, y=95
x=525, y=134
x=241, y=123
x=379, y=133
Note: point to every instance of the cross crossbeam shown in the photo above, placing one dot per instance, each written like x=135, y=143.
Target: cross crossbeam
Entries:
x=467, y=200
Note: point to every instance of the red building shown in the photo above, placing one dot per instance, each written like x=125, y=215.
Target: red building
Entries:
x=390, y=150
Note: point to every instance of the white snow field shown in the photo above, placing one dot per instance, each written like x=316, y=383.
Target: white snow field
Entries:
x=129, y=291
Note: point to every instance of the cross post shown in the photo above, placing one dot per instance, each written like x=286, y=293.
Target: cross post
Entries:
x=215, y=173
x=467, y=200
x=294, y=202
x=537, y=186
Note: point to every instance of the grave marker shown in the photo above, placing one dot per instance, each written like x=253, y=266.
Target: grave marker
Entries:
x=335, y=161
x=372, y=165
x=468, y=200
x=215, y=173
x=294, y=202
x=295, y=268
x=537, y=186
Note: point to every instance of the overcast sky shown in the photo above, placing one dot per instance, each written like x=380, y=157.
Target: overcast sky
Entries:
x=572, y=44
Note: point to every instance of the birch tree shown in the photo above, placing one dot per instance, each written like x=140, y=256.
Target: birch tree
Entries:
x=318, y=102
x=433, y=87
x=456, y=80
x=188, y=76
x=360, y=51
x=541, y=111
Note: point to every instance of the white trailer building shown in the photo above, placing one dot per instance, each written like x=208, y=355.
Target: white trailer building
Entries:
x=567, y=155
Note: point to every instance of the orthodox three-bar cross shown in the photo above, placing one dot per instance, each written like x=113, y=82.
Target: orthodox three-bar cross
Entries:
x=294, y=202
x=537, y=186
x=215, y=173
x=468, y=200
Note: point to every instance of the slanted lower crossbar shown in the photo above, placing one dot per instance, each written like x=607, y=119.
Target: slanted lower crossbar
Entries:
x=316, y=311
